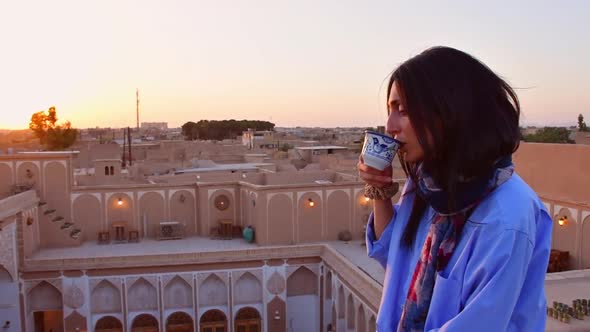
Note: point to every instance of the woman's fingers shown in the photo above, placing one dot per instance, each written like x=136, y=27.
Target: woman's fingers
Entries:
x=373, y=176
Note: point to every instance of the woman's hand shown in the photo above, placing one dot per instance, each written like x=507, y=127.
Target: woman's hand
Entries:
x=373, y=176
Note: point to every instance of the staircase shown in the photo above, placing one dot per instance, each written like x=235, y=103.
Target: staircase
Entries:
x=67, y=227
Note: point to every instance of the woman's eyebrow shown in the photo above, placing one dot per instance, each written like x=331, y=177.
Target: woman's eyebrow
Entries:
x=393, y=103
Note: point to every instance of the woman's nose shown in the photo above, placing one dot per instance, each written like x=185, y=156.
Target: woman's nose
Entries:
x=392, y=126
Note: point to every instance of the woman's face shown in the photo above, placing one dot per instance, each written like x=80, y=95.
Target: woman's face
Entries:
x=399, y=126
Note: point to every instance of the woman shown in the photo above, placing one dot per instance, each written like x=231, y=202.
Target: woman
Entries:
x=467, y=245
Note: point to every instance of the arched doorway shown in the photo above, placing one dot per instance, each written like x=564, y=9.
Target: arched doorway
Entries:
x=179, y=322
x=45, y=302
x=213, y=321
x=108, y=324
x=144, y=323
x=247, y=320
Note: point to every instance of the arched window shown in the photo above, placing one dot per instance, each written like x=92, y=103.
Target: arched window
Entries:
x=213, y=321
x=247, y=319
x=144, y=323
x=108, y=324
x=106, y=170
x=179, y=322
x=112, y=170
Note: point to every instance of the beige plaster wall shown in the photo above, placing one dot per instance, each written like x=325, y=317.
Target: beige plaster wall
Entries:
x=88, y=215
x=310, y=221
x=56, y=194
x=122, y=212
x=557, y=171
x=338, y=214
x=151, y=207
x=280, y=221
x=183, y=210
x=564, y=237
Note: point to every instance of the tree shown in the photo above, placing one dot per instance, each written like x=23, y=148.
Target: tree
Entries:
x=53, y=136
x=219, y=130
x=550, y=135
x=581, y=124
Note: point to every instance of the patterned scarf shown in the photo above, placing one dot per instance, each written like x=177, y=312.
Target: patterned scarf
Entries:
x=443, y=236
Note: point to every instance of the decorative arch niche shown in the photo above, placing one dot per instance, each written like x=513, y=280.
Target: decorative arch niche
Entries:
x=212, y=292
x=45, y=297
x=341, y=303
x=247, y=289
x=142, y=296
x=361, y=320
x=105, y=298
x=152, y=208
x=302, y=282
x=178, y=294
x=350, y=312
x=280, y=219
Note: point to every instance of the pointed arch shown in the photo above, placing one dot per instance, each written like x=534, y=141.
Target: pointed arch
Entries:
x=302, y=282
x=45, y=297
x=350, y=312
x=329, y=285
x=341, y=302
x=178, y=294
x=247, y=289
x=303, y=300
x=372, y=324
x=142, y=295
x=5, y=275
x=212, y=292
x=361, y=321
x=105, y=298
x=75, y=321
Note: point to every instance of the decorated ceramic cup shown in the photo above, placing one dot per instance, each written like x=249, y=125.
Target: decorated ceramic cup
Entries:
x=379, y=149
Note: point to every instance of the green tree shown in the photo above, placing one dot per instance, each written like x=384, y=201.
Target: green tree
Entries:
x=550, y=135
x=581, y=124
x=219, y=130
x=50, y=134
x=189, y=131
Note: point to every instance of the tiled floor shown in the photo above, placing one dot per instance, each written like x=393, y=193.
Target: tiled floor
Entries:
x=145, y=247
x=565, y=287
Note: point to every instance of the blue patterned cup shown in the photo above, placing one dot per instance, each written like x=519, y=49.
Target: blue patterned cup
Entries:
x=379, y=149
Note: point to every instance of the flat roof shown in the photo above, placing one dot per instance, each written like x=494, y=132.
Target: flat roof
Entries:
x=49, y=152
x=223, y=167
x=322, y=147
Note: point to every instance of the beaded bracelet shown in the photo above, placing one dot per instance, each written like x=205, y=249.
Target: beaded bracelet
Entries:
x=384, y=193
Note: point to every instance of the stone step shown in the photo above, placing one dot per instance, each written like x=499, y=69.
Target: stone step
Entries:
x=75, y=234
x=50, y=211
x=67, y=225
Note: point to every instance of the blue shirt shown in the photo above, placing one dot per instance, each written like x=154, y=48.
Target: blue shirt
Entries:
x=495, y=278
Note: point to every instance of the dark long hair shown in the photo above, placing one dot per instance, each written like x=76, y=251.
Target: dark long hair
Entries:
x=470, y=114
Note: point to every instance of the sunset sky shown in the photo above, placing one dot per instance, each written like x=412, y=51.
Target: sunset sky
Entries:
x=294, y=63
